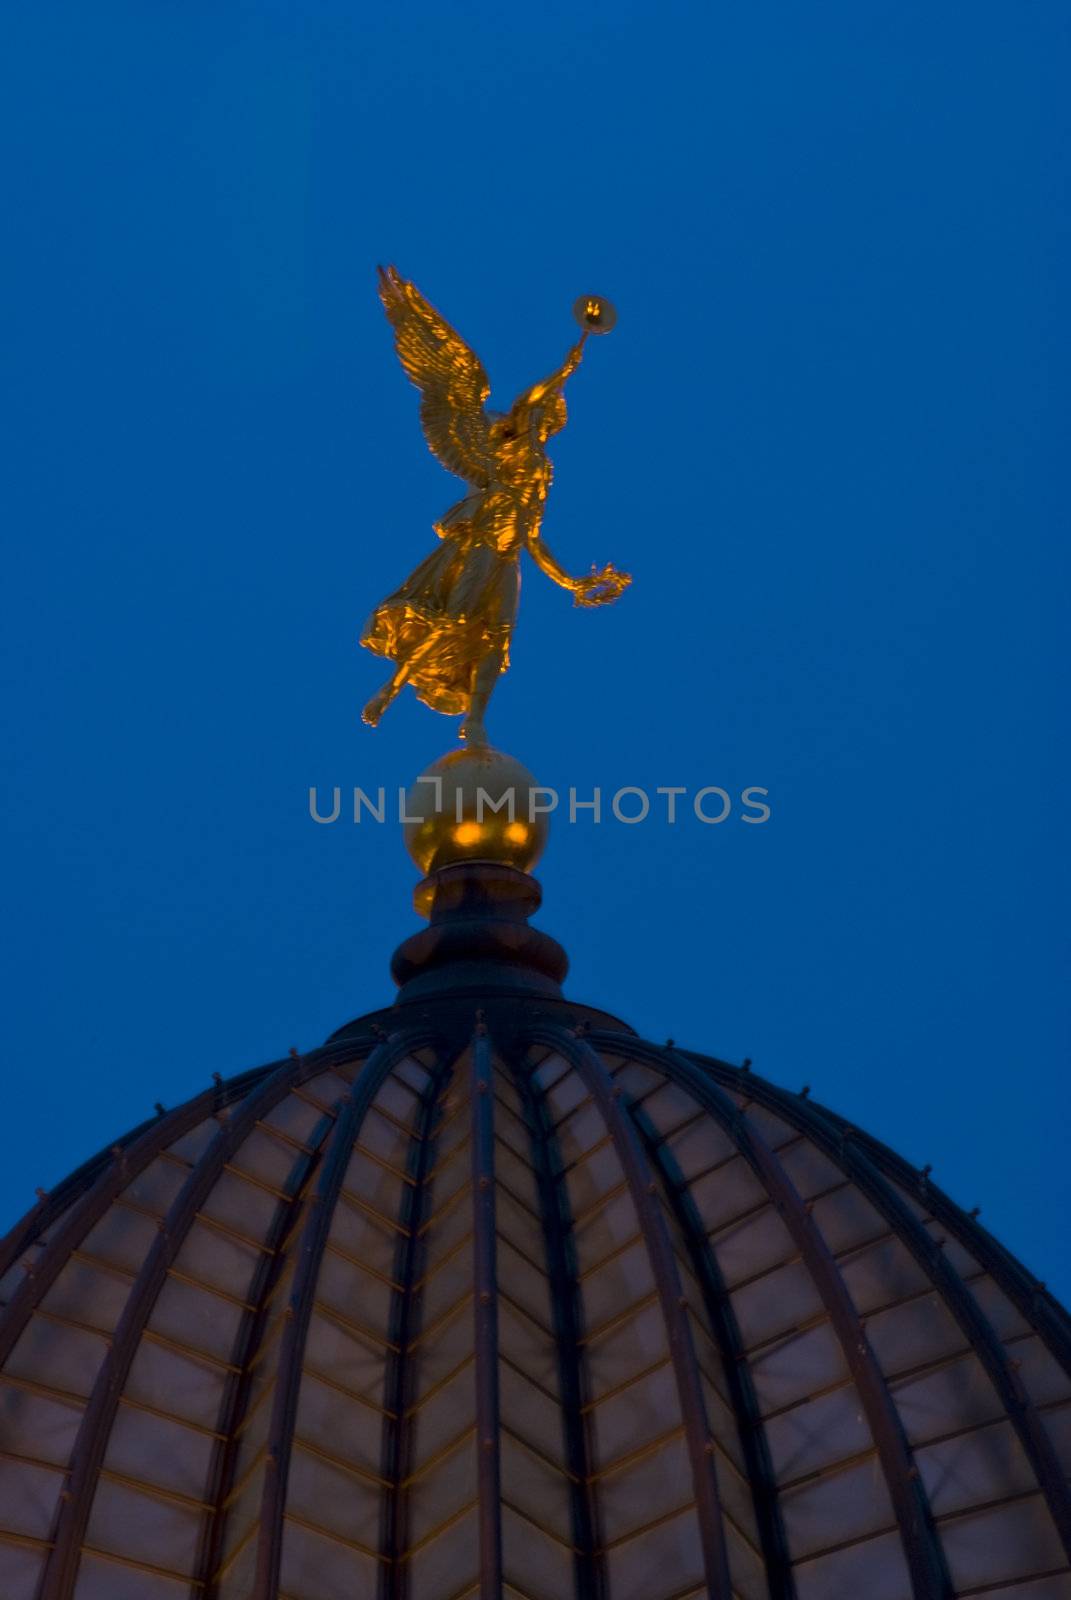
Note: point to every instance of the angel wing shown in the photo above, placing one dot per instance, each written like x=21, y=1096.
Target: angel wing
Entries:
x=450, y=377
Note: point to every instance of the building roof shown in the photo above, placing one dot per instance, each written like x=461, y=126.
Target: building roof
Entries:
x=488, y=1296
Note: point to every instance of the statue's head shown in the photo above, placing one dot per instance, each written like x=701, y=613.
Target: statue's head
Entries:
x=511, y=435
x=548, y=412
x=505, y=426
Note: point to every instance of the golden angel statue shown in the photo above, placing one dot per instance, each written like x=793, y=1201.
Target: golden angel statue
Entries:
x=447, y=629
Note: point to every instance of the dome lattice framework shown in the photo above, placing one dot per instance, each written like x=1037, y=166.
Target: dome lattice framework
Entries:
x=490, y=1297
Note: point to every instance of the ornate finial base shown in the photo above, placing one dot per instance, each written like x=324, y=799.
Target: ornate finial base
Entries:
x=476, y=834
x=478, y=938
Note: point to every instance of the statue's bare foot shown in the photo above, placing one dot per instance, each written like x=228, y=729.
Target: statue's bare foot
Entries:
x=473, y=733
x=376, y=707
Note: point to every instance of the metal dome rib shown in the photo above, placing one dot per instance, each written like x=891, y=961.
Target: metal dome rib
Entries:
x=562, y=1276
x=92, y=1440
x=221, y=1475
x=1030, y=1297
x=740, y=1389
x=103, y=1174
x=929, y=1576
x=404, y=1326
x=976, y=1327
x=310, y=1250
x=978, y=1331
x=671, y=1299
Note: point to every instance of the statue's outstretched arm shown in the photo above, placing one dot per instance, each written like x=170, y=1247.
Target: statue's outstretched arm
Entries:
x=547, y=563
x=594, y=589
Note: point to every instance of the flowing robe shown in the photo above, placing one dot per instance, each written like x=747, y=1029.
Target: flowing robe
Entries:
x=459, y=605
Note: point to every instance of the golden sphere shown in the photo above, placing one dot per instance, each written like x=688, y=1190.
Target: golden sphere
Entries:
x=453, y=804
x=594, y=314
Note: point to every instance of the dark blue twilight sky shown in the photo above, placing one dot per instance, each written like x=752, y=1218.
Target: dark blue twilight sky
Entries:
x=828, y=438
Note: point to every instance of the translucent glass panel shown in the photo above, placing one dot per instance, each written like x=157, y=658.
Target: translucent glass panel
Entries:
x=537, y=1527
x=830, y=1486
x=334, y=1488
x=439, y=1483
x=641, y=1473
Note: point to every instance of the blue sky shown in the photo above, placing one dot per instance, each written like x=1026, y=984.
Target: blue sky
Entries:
x=828, y=438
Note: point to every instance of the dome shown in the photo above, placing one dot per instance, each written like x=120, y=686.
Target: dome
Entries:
x=489, y=1296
